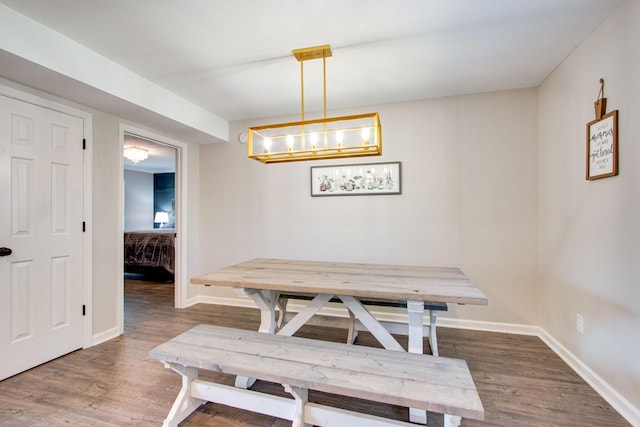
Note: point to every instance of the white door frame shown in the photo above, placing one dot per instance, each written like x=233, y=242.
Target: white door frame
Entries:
x=87, y=193
x=180, y=276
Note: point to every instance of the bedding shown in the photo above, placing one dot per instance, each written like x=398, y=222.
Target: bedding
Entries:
x=149, y=251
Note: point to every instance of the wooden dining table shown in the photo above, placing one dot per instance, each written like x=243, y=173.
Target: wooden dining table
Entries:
x=264, y=280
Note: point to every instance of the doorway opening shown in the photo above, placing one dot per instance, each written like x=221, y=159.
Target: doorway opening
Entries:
x=153, y=189
x=149, y=209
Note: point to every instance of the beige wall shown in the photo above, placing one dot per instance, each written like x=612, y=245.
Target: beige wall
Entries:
x=590, y=230
x=469, y=199
x=106, y=236
x=107, y=262
x=138, y=200
x=192, y=217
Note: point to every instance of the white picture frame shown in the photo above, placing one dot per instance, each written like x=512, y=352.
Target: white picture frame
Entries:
x=364, y=179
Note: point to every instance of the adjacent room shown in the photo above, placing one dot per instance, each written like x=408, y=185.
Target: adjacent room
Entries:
x=149, y=210
x=336, y=213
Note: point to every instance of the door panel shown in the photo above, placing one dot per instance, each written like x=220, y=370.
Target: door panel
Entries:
x=60, y=292
x=41, y=291
x=21, y=320
x=21, y=191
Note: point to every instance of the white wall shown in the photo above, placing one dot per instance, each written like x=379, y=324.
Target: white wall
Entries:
x=138, y=200
x=106, y=236
x=590, y=230
x=469, y=199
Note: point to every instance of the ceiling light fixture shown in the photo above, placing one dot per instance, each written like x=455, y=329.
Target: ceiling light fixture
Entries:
x=136, y=154
x=326, y=138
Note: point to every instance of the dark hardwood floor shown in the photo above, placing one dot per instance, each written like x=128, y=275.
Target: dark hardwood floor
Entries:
x=520, y=380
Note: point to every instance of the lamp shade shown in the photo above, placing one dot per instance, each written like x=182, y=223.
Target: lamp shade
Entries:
x=161, y=217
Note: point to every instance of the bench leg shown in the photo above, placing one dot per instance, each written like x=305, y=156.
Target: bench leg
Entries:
x=184, y=404
x=301, y=396
x=433, y=339
x=451, y=420
x=244, y=382
x=352, y=334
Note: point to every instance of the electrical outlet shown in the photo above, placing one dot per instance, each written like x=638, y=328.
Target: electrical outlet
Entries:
x=579, y=323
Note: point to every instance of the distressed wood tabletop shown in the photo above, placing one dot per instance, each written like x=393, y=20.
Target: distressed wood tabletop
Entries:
x=395, y=282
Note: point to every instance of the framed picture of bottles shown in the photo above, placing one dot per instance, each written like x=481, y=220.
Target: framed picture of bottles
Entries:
x=363, y=179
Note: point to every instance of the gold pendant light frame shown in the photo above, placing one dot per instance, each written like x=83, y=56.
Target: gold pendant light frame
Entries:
x=325, y=138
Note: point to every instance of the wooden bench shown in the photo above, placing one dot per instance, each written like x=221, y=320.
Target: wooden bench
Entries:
x=436, y=384
x=353, y=325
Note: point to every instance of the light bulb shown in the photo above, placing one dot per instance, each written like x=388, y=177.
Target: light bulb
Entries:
x=290, y=141
x=339, y=137
x=365, y=137
x=267, y=144
x=314, y=140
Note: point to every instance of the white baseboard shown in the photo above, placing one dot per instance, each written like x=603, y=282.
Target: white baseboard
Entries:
x=604, y=389
x=476, y=325
x=106, y=335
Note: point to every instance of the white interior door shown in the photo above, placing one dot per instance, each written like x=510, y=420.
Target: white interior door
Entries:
x=41, y=190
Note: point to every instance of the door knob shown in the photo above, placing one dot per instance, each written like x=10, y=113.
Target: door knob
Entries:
x=5, y=251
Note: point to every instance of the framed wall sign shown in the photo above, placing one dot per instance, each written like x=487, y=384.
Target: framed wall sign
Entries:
x=356, y=179
x=602, y=146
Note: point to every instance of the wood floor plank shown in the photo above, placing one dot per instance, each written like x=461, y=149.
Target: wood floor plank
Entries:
x=520, y=380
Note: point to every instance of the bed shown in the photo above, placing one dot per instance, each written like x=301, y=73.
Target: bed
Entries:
x=150, y=252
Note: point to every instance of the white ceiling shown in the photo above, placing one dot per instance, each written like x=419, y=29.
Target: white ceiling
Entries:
x=233, y=58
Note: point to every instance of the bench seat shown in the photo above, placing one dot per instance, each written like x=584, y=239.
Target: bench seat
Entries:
x=436, y=384
x=354, y=326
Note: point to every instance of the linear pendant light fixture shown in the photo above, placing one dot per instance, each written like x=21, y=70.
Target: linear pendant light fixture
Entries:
x=326, y=138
